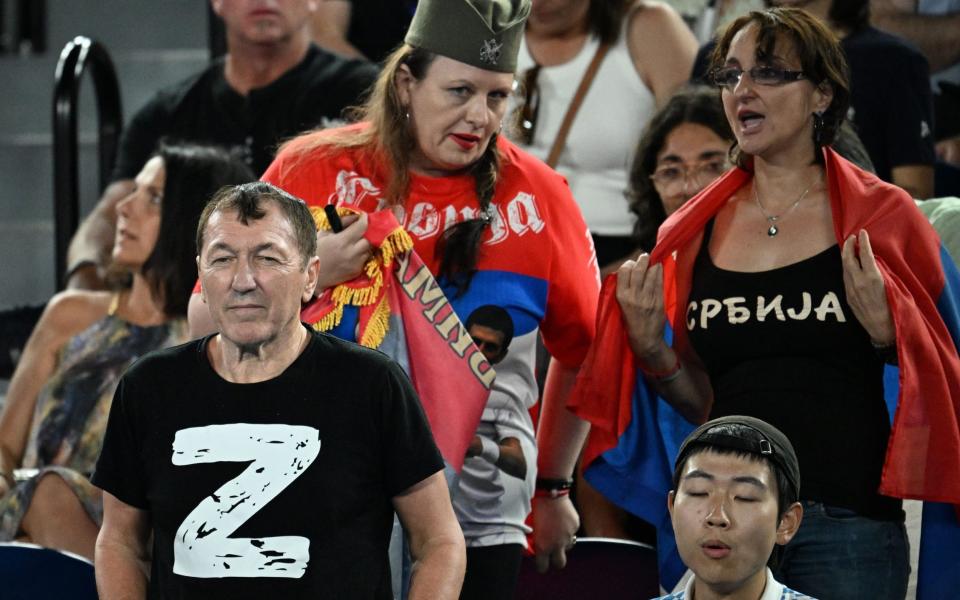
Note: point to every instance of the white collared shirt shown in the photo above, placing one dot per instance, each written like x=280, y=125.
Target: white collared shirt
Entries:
x=773, y=590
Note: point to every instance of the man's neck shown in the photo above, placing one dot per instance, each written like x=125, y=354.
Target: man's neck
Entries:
x=257, y=362
x=251, y=66
x=751, y=589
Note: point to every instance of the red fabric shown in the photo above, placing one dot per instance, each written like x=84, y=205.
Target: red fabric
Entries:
x=923, y=455
x=380, y=224
x=539, y=232
x=453, y=384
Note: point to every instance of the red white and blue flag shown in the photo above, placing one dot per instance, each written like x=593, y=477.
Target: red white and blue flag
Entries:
x=636, y=434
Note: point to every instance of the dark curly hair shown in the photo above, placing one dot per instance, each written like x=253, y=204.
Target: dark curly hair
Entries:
x=693, y=104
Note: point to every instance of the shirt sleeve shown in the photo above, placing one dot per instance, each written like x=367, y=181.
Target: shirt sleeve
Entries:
x=120, y=469
x=574, y=282
x=908, y=111
x=302, y=180
x=356, y=80
x=410, y=454
x=141, y=137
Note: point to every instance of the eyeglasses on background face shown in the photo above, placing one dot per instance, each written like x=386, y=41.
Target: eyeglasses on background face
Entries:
x=729, y=77
x=672, y=176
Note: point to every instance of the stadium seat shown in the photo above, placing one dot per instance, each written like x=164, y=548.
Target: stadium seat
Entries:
x=30, y=572
x=596, y=568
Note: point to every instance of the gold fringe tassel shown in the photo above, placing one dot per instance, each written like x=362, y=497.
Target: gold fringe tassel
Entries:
x=330, y=320
x=378, y=325
x=397, y=242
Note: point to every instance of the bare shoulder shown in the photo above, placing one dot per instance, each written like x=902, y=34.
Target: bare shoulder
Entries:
x=653, y=27
x=648, y=16
x=71, y=311
x=661, y=45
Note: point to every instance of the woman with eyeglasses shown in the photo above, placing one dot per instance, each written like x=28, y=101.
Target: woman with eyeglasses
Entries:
x=789, y=289
x=891, y=105
x=495, y=226
x=645, y=51
x=53, y=422
x=683, y=150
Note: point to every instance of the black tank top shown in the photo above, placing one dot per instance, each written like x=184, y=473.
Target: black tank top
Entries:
x=784, y=346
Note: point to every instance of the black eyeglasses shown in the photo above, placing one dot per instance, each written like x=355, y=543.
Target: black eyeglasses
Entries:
x=729, y=77
x=530, y=108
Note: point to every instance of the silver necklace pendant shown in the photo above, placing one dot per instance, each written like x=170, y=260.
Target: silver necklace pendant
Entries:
x=773, y=231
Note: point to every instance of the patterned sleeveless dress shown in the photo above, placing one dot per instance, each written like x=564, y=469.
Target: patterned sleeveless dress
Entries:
x=72, y=409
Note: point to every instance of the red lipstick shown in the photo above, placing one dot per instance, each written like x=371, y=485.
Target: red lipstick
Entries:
x=465, y=140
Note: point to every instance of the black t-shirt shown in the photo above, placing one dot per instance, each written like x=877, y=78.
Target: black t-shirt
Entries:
x=377, y=27
x=784, y=346
x=278, y=489
x=204, y=109
x=891, y=106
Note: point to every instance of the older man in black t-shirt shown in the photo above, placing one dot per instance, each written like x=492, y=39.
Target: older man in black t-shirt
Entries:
x=267, y=460
x=271, y=85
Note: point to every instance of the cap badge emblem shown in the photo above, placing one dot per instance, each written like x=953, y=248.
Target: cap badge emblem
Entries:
x=490, y=52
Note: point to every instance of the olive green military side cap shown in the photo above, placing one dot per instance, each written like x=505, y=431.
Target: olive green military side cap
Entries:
x=482, y=33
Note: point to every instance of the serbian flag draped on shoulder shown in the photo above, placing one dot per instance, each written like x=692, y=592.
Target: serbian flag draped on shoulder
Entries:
x=396, y=306
x=635, y=434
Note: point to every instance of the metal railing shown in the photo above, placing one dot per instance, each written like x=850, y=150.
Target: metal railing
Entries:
x=74, y=59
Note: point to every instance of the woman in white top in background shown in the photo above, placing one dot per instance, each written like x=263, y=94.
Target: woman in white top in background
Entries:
x=650, y=56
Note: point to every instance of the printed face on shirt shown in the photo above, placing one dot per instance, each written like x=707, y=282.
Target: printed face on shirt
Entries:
x=253, y=277
x=264, y=21
x=724, y=515
x=771, y=121
x=454, y=111
x=691, y=158
x=138, y=216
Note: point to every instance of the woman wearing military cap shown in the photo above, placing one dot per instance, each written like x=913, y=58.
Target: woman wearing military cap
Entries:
x=493, y=224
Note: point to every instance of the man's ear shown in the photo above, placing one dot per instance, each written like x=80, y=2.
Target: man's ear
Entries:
x=403, y=81
x=217, y=6
x=203, y=295
x=671, y=497
x=789, y=523
x=313, y=274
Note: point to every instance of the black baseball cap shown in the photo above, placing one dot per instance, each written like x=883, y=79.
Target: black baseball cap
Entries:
x=772, y=444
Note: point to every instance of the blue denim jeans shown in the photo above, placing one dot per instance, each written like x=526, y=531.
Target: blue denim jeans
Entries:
x=839, y=555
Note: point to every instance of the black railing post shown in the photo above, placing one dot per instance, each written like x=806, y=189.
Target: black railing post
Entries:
x=66, y=154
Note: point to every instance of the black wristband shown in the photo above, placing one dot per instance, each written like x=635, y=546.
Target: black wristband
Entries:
x=553, y=485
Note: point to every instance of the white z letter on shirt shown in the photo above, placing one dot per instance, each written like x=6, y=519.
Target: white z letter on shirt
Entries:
x=279, y=454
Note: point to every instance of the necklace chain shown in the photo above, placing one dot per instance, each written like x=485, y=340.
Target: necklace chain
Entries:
x=772, y=219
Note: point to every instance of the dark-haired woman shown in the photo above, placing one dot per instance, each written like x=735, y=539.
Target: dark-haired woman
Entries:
x=791, y=285
x=647, y=50
x=60, y=395
x=493, y=224
x=683, y=149
x=891, y=105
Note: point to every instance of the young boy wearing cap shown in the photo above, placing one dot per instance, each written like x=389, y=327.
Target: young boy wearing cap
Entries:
x=735, y=489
